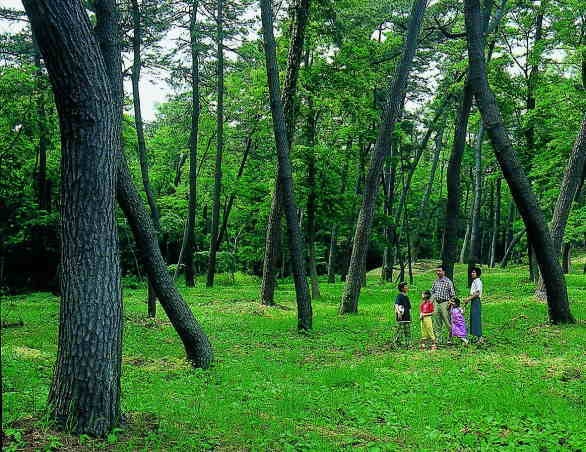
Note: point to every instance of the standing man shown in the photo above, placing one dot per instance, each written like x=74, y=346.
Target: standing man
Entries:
x=442, y=291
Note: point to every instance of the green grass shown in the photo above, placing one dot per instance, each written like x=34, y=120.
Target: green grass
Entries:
x=341, y=387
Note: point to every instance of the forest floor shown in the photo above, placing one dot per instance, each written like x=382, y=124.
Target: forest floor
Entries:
x=343, y=386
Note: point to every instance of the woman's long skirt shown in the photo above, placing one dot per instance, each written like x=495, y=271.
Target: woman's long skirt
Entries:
x=475, y=318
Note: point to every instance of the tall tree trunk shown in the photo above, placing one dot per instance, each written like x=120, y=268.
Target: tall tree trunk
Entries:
x=247, y=148
x=389, y=229
x=193, y=139
x=311, y=125
x=510, y=221
x=495, y=223
x=298, y=24
x=304, y=311
x=85, y=390
x=537, y=231
x=197, y=346
x=391, y=112
x=450, y=238
x=511, y=244
x=422, y=211
x=332, y=256
x=142, y=152
x=219, y=146
x=571, y=183
x=475, y=246
x=463, y=251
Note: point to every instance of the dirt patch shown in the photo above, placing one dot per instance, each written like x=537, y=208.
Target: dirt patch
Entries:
x=156, y=365
x=32, y=434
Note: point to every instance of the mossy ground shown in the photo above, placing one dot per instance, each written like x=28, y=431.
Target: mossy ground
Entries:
x=343, y=386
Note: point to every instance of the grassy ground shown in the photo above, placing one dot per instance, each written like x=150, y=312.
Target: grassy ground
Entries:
x=341, y=387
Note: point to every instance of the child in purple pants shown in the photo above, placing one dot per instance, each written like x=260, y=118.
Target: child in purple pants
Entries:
x=458, y=322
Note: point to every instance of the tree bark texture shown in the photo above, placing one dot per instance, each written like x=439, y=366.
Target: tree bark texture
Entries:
x=304, y=311
x=537, y=230
x=212, y=257
x=85, y=392
x=197, y=346
x=272, y=241
x=193, y=140
x=391, y=113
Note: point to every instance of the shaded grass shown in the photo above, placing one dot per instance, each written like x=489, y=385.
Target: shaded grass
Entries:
x=341, y=386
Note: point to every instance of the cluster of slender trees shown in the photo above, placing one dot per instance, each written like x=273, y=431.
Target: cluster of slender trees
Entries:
x=84, y=64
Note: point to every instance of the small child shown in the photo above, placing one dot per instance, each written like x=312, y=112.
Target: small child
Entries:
x=403, y=315
x=458, y=322
x=426, y=310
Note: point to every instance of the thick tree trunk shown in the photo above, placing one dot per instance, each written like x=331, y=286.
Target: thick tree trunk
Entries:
x=304, y=311
x=495, y=223
x=219, y=146
x=193, y=139
x=142, y=152
x=537, y=231
x=450, y=238
x=298, y=24
x=391, y=113
x=197, y=346
x=85, y=391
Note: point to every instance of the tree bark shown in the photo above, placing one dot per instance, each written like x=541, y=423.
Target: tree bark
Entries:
x=391, y=112
x=475, y=246
x=85, y=392
x=571, y=183
x=311, y=198
x=272, y=241
x=332, y=256
x=304, y=311
x=421, y=213
x=495, y=223
x=566, y=257
x=450, y=238
x=197, y=346
x=510, y=246
x=193, y=140
x=537, y=231
x=219, y=146
x=142, y=152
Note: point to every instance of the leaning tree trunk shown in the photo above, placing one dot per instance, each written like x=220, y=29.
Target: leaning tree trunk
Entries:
x=510, y=246
x=85, y=391
x=197, y=346
x=390, y=114
x=298, y=24
x=450, y=239
x=195, y=111
x=422, y=213
x=537, y=231
x=304, y=311
x=573, y=178
x=219, y=147
x=142, y=153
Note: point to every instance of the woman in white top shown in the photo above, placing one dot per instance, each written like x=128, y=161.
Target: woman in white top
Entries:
x=475, y=308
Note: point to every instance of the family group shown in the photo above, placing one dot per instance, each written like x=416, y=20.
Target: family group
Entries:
x=440, y=308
